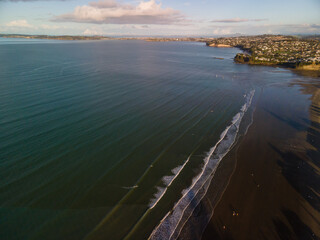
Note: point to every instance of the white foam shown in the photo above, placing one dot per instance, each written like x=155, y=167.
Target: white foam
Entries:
x=171, y=225
x=167, y=180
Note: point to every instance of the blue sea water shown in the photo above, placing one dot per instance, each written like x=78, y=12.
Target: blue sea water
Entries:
x=100, y=139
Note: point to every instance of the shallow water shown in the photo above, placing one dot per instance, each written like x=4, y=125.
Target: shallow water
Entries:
x=101, y=138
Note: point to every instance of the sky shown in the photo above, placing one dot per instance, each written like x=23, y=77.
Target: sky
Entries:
x=160, y=17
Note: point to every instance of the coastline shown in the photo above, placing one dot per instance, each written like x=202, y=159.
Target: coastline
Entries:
x=220, y=45
x=246, y=57
x=103, y=38
x=273, y=189
x=247, y=60
x=172, y=225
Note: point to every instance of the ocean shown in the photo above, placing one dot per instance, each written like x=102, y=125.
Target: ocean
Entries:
x=102, y=139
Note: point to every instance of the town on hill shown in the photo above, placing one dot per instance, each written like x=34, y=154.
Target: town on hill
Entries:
x=288, y=51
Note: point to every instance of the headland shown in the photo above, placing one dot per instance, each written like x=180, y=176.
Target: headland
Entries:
x=274, y=50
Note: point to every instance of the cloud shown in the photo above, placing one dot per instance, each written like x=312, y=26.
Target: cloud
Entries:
x=238, y=20
x=140, y=26
x=19, y=23
x=314, y=25
x=112, y=12
x=310, y=26
x=49, y=27
x=89, y=32
x=23, y=24
x=254, y=29
x=104, y=4
x=222, y=31
x=301, y=28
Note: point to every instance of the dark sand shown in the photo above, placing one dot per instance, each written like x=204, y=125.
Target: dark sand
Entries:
x=274, y=188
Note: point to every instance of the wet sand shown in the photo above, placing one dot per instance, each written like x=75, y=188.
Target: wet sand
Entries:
x=274, y=188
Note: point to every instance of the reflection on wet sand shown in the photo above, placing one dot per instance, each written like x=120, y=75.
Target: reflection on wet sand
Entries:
x=274, y=192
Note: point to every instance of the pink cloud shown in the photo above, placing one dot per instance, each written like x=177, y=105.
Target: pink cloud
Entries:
x=112, y=12
x=238, y=20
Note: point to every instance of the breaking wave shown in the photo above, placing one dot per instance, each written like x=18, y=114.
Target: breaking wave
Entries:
x=167, y=180
x=171, y=225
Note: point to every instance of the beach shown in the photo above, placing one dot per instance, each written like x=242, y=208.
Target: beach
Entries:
x=273, y=192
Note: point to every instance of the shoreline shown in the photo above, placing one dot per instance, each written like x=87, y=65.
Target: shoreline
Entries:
x=304, y=71
x=272, y=192
x=195, y=225
x=311, y=67
x=266, y=187
x=242, y=58
x=172, y=224
x=103, y=38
